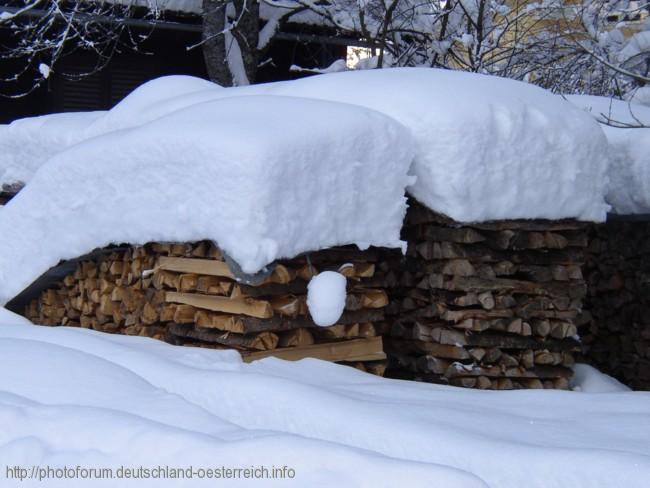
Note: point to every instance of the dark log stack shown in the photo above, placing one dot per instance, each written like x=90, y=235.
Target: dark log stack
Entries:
x=488, y=305
x=7, y=192
x=187, y=294
x=616, y=324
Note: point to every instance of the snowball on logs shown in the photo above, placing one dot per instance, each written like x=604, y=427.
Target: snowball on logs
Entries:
x=326, y=297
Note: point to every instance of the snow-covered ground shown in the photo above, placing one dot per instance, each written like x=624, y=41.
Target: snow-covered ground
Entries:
x=75, y=397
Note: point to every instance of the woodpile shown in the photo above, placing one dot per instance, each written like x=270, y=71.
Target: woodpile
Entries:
x=615, y=327
x=489, y=306
x=188, y=294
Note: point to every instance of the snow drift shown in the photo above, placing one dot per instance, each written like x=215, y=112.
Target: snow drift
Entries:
x=74, y=396
x=264, y=177
x=628, y=190
x=588, y=379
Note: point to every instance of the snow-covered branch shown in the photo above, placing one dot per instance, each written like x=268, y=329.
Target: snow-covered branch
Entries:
x=46, y=31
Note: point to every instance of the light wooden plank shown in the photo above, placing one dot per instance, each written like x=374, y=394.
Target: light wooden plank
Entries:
x=245, y=306
x=209, y=267
x=355, y=350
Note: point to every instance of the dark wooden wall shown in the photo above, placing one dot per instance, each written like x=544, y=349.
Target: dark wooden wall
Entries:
x=615, y=327
x=167, y=54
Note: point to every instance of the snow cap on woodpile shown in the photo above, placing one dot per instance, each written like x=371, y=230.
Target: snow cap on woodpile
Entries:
x=627, y=127
x=25, y=144
x=139, y=106
x=487, y=148
x=264, y=177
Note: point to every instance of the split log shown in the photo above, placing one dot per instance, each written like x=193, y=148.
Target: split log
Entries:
x=296, y=338
x=245, y=306
x=197, y=266
x=437, y=350
x=354, y=350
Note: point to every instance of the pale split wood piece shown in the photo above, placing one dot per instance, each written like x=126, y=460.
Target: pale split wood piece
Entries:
x=245, y=306
x=354, y=350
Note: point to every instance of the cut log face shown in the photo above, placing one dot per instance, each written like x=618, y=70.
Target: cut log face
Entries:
x=289, y=306
x=296, y=338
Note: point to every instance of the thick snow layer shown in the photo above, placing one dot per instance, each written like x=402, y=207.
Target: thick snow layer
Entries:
x=487, y=147
x=618, y=112
x=26, y=144
x=589, y=380
x=326, y=297
x=264, y=177
x=136, y=107
x=628, y=190
x=150, y=102
x=77, y=397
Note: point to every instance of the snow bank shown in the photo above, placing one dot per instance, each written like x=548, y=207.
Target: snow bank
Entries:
x=486, y=147
x=326, y=297
x=264, y=177
x=589, y=380
x=78, y=397
x=628, y=190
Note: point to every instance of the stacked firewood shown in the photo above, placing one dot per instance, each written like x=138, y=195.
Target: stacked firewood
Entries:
x=189, y=294
x=615, y=327
x=490, y=305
